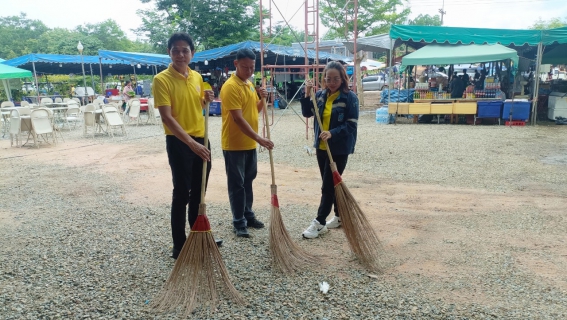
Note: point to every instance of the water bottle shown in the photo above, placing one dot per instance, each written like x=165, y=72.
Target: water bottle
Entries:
x=382, y=115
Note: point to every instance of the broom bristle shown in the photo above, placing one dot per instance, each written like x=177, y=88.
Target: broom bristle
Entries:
x=199, y=276
x=286, y=254
x=361, y=237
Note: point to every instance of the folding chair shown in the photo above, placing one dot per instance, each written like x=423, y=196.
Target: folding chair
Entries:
x=134, y=111
x=89, y=119
x=113, y=119
x=42, y=126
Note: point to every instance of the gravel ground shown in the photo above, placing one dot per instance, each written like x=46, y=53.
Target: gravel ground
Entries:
x=472, y=219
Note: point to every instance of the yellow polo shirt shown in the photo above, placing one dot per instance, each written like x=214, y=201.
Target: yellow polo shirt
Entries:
x=184, y=96
x=327, y=116
x=237, y=94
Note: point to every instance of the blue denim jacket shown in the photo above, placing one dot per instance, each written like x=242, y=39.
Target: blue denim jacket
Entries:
x=343, y=124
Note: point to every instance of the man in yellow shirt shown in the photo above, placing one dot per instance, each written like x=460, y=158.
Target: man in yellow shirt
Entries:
x=179, y=95
x=240, y=108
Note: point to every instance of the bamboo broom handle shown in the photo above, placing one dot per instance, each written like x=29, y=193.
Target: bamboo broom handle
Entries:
x=206, y=142
x=265, y=110
x=320, y=124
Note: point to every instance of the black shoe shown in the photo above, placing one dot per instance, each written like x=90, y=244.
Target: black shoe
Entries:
x=218, y=242
x=242, y=232
x=255, y=223
x=175, y=253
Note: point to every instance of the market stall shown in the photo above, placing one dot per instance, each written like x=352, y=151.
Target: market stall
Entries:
x=433, y=96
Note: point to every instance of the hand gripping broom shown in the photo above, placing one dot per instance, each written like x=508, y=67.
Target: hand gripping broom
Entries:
x=199, y=275
x=361, y=237
x=286, y=254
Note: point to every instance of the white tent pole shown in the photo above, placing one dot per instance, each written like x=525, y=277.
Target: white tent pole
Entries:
x=92, y=78
x=390, y=71
x=36, y=83
x=536, y=84
x=6, y=88
x=101, y=78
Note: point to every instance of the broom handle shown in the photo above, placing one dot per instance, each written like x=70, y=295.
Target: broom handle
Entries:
x=206, y=142
x=320, y=123
x=265, y=110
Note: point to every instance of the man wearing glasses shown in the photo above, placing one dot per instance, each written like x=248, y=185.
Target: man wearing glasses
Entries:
x=180, y=97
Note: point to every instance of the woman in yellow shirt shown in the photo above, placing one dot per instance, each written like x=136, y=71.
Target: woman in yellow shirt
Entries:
x=338, y=109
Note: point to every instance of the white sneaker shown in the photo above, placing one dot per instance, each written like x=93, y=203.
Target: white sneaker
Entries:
x=334, y=223
x=314, y=230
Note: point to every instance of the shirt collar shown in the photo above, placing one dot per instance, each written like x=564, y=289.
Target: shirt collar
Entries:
x=239, y=81
x=177, y=74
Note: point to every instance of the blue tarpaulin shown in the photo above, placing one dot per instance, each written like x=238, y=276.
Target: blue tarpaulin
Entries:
x=153, y=59
x=66, y=64
x=269, y=49
x=402, y=95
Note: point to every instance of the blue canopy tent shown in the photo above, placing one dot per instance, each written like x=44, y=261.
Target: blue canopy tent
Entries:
x=40, y=63
x=274, y=55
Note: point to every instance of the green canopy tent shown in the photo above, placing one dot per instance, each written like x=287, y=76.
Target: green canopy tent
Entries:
x=9, y=72
x=436, y=54
x=557, y=55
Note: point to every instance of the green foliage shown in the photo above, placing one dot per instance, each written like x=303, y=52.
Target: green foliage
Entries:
x=426, y=20
x=282, y=35
x=552, y=23
x=212, y=24
x=20, y=36
x=374, y=17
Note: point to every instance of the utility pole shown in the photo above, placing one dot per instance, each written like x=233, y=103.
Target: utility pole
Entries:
x=442, y=12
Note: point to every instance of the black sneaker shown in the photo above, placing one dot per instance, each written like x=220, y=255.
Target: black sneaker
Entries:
x=218, y=242
x=255, y=223
x=175, y=253
x=242, y=232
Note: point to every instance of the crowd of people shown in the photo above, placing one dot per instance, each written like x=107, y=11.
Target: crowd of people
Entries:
x=181, y=95
x=460, y=82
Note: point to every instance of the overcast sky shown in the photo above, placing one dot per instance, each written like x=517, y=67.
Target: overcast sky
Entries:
x=512, y=14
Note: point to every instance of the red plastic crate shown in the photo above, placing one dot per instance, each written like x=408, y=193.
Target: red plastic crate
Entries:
x=516, y=123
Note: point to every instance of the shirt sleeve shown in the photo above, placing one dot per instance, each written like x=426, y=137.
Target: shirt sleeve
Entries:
x=230, y=97
x=161, y=93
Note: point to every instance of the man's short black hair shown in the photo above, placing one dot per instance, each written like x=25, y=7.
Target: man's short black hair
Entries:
x=183, y=36
x=245, y=53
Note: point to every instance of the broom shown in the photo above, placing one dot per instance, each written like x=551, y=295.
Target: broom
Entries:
x=286, y=254
x=361, y=237
x=199, y=275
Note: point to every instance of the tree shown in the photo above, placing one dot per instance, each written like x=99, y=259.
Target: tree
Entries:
x=212, y=24
x=373, y=17
x=19, y=35
x=64, y=41
x=108, y=33
x=552, y=23
x=426, y=20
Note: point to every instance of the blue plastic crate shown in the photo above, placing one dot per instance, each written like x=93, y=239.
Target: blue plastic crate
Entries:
x=215, y=108
x=489, y=109
x=520, y=110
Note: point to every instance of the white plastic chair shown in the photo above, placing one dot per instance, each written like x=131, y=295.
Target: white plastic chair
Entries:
x=7, y=104
x=24, y=103
x=58, y=100
x=73, y=114
x=113, y=119
x=25, y=111
x=134, y=111
x=150, y=113
x=98, y=103
x=89, y=119
x=45, y=101
x=15, y=127
x=66, y=99
x=77, y=100
x=42, y=126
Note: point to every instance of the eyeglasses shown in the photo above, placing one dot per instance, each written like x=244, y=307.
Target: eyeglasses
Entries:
x=332, y=80
x=178, y=51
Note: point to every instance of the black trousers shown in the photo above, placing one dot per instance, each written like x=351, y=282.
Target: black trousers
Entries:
x=187, y=175
x=241, y=170
x=328, y=187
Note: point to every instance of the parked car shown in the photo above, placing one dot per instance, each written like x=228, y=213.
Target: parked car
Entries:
x=372, y=83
